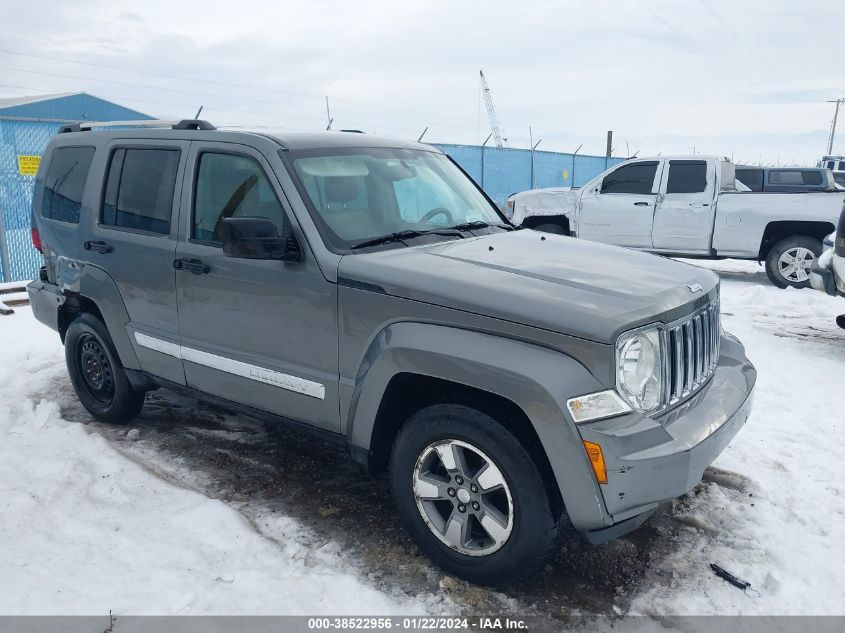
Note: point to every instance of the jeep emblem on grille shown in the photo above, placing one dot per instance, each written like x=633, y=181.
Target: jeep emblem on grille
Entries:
x=695, y=287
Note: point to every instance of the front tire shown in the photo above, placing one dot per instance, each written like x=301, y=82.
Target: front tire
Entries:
x=471, y=495
x=97, y=374
x=789, y=260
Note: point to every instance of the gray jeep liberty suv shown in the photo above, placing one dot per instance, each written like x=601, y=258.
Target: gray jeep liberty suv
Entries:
x=514, y=383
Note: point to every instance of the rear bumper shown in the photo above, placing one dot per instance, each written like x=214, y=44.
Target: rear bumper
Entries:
x=45, y=299
x=650, y=461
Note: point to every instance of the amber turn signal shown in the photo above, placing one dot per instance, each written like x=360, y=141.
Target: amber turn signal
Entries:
x=596, y=461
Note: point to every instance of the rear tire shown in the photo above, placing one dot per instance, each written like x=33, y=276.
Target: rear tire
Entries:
x=789, y=260
x=97, y=374
x=524, y=532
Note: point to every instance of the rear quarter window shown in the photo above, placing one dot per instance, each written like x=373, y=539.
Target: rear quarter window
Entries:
x=65, y=183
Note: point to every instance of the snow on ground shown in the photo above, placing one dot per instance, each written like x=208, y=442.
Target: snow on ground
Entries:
x=85, y=528
x=773, y=510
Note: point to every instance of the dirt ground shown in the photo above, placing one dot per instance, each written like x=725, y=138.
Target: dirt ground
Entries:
x=262, y=469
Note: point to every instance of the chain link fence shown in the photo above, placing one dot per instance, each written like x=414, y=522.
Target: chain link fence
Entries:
x=20, y=139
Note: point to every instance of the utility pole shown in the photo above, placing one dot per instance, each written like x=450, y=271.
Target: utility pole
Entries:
x=328, y=115
x=574, y=154
x=533, y=147
x=838, y=103
x=609, y=148
x=483, y=147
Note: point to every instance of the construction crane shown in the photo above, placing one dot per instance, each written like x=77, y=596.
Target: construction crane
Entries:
x=491, y=112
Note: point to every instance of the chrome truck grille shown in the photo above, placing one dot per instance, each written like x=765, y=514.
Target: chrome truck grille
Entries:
x=692, y=346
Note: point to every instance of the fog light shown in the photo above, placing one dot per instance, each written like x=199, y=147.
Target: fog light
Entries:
x=594, y=406
x=596, y=461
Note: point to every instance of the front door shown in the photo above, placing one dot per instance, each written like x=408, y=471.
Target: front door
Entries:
x=262, y=333
x=683, y=222
x=620, y=209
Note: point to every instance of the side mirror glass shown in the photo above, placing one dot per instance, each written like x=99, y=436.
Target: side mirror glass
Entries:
x=258, y=238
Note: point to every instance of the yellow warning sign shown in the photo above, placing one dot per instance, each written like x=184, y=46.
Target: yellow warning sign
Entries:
x=28, y=165
x=566, y=174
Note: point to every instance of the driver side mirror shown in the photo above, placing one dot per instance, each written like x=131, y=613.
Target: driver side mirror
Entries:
x=258, y=238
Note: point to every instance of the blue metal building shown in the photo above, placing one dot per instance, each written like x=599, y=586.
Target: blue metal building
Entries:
x=26, y=125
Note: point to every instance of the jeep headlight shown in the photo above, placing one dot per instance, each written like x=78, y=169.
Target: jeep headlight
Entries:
x=639, y=372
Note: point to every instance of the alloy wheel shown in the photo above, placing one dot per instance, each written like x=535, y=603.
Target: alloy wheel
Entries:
x=794, y=264
x=463, y=497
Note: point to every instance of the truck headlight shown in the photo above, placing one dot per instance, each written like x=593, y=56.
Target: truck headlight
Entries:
x=639, y=369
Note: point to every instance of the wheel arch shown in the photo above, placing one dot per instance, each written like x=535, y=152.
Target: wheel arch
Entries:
x=412, y=364
x=777, y=230
x=95, y=292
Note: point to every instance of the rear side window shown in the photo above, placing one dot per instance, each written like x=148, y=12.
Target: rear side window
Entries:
x=751, y=178
x=231, y=186
x=65, y=183
x=139, y=189
x=636, y=178
x=687, y=176
x=795, y=177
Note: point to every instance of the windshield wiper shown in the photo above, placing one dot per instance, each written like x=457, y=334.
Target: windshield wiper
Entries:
x=401, y=236
x=478, y=224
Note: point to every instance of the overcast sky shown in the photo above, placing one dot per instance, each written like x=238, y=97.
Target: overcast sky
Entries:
x=748, y=79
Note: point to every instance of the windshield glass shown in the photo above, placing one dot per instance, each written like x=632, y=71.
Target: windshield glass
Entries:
x=361, y=194
x=839, y=177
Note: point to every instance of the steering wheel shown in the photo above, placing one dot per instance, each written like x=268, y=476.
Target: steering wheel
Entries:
x=434, y=213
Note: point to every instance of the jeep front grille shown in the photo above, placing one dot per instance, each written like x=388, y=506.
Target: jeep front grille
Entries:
x=692, y=352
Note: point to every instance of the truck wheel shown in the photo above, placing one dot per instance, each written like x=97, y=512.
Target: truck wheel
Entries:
x=788, y=262
x=471, y=495
x=96, y=373
x=557, y=229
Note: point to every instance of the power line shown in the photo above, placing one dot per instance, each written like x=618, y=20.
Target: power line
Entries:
x=736, y=36
x=380, y=106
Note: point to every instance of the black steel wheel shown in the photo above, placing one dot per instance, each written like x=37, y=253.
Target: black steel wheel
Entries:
x=97, y=375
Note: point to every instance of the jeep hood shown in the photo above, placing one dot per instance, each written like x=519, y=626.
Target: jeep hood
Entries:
x=562, y=284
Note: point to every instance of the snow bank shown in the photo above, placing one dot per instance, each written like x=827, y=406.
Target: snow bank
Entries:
x=84, y=530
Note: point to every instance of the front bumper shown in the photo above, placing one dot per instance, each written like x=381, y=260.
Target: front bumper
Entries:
x=650, y=461
x=822, y=279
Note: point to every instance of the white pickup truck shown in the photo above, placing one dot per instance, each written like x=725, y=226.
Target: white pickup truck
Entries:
x=689, y=206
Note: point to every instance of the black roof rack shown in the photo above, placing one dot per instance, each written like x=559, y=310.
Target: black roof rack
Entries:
x=184, y=124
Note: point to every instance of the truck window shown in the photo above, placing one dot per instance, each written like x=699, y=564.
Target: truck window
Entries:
x=751, y=178
x=65, y=183
x=687, y=176
x=794, y=177
x=139, y=189
x=635, y=178
x=231, y=186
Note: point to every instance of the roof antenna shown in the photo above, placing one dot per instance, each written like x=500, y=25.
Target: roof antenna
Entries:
x=197, y=115
x=328, y=115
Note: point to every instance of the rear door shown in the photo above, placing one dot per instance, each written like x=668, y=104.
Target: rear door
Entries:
x=262, y=333
x=683, y=220
x=134, y=241
x=620, y=209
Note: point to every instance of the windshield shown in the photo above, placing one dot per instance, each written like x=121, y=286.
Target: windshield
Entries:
x=361, y=194
x=839, y=177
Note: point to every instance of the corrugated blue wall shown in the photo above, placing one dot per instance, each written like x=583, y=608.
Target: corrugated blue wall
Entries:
x=25, y=130
x=502, y=172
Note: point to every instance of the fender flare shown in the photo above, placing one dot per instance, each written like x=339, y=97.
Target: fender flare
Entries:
x=536, y=379
x=96, y=285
